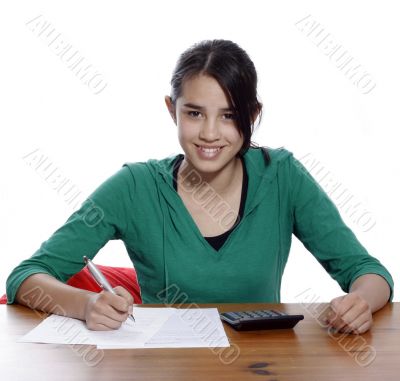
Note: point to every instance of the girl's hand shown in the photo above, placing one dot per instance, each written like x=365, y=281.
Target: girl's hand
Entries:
x=105, y=311
x=350, y=313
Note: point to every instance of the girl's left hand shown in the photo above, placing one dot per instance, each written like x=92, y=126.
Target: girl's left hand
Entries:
x=350, y=313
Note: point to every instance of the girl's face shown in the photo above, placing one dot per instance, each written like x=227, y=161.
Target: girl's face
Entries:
x=206, y=125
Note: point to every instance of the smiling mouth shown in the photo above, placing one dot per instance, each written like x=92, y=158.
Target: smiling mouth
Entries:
x=209, y=149
x=208, y=153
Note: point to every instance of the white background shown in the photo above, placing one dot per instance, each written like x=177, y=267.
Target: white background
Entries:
x=310, y=107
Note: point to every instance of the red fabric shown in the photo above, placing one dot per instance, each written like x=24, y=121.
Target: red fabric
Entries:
x=117, y=276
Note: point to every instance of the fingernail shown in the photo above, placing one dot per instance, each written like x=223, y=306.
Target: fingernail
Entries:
x=130, y=310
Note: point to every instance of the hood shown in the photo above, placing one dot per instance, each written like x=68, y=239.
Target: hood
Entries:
x=260, y=175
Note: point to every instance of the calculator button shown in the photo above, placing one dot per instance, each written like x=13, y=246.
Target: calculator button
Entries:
x=261, y=319
x=252, y=314
x=279, y=313
x=238, y=315
x=232, y=315
x=261, y=313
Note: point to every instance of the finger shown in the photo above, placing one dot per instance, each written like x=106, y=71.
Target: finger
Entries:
x=103, y=323
x=364, y=327
x=352, y=327
x=346, y=309
x=111, y=313
x=349, y=317
x=324, y=315
x=336, y=321
x=358, y=309
x=347, y=328
x=356, y=324
x=125, y=294
x=108, y=322
x=358, y=314
x=118, y=302
x=98, y=321
x=109, y=305
x=357, y=327
x=341, y=305
x=97, y=327
x=340, y=326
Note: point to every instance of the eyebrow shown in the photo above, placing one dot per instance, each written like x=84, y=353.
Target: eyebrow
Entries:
x=201, y=108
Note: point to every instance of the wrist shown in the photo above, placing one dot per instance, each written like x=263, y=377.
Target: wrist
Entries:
x=85, y=299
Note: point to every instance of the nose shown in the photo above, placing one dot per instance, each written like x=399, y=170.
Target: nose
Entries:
x=209, y=130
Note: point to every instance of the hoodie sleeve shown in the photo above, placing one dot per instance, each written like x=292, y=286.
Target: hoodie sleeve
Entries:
x=319, y=226
x=101, y=217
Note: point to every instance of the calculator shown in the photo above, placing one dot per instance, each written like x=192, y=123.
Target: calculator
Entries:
x=260, y=319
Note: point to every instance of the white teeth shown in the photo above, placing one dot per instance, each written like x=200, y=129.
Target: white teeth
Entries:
x=210, y=150
x=207, y=152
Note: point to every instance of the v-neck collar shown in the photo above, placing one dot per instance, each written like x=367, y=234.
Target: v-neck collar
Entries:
x=259, y=176
x=224, y=236
x=221, y=238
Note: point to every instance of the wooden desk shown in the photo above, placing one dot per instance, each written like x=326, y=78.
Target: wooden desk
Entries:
x=308, y=352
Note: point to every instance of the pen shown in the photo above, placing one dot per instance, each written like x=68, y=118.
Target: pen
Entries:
x=100, y=279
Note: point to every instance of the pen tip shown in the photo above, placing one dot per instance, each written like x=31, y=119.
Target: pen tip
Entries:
x=85, y=259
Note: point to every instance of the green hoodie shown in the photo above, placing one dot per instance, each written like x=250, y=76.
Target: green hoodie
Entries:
x=173, y=261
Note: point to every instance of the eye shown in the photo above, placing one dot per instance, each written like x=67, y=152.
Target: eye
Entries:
x=229, y=116
x=194, y=114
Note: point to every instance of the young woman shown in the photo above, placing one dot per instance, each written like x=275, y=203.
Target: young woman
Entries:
x=213, y=224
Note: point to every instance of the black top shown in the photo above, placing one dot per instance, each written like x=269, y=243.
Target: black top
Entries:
x=217, y=241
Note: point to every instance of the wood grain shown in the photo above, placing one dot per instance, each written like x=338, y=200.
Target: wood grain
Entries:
x=307, y=352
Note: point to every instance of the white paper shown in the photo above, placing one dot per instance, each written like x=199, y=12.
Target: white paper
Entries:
x=186, y=328
x=153, y=328
x=148, y=321
x=64, y=330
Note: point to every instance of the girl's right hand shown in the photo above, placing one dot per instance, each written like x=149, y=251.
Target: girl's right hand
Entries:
x=105, y=311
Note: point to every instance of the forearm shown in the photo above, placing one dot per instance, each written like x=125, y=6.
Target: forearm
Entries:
x=45, y=293
x=373, y=288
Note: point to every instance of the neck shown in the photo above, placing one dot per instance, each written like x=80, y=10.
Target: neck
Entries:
x=221, y=181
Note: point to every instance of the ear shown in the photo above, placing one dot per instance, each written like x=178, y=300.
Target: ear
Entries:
x=170, y=107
